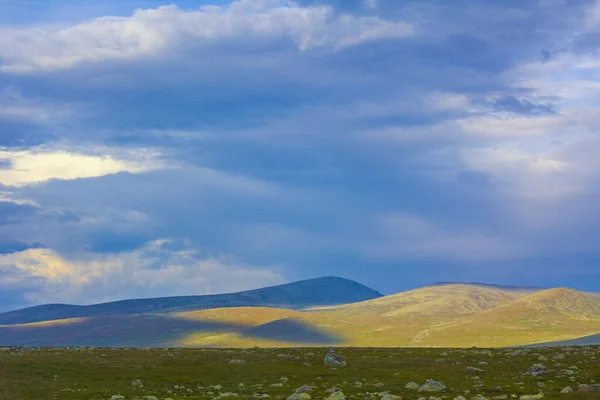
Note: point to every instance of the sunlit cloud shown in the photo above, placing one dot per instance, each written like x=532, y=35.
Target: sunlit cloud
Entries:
x=152, y=271
x=30, y=167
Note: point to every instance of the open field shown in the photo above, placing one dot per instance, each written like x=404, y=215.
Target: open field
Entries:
x=100, y=373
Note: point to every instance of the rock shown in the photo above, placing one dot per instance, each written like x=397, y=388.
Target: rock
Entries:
x=149, y=398
x=228, y=394
x=475, y=370
x=137, y=383
x=412, y=385
x=379, y=385
x=568, y=372
x=333, y=390
x=432, y=386
x=460, y=398
x=388, y=396
x=532, y=396
x=333, y=360
x=537, y=370
x=117, y=397
x=279, y=384
x=567, y=390
x=299, y=396
x=237, y=361
x=588, y=388
x=337, y=396
x=304, y=389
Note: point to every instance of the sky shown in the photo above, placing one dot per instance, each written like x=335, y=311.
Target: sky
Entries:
x=152, y=149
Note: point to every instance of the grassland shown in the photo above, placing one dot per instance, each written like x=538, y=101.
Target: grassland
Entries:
x=442, y=316
x=194, y=374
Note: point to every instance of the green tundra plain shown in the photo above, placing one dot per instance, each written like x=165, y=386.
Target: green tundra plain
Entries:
x=276, y=373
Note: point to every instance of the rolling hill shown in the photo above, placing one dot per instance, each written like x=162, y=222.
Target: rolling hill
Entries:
x=295, y=295
x=548, y=315
x=440, y=315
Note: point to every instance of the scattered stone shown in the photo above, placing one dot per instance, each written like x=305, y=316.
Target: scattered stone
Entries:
x=237, y=361
x=117, y=397
x=299, y=396
x=588, y=388
x=333, y=360
x=412, y=385
x=137, y=383
x=388, y=396
x=567, y=389
x=304, y=389
x=532, y=396
x=475, y=370
x=228, y=395
x=537, y=370
x=432, y=386
x=337, y=396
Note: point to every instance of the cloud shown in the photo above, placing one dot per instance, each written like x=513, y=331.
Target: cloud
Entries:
x=278, y=130
x=402, y=236
x=153, y=270
x=150, y=31
x=29, y=167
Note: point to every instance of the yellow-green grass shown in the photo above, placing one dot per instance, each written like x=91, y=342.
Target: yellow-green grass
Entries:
x=456, y=316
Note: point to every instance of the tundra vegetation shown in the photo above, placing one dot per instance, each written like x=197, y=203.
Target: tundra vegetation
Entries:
x=88, y=373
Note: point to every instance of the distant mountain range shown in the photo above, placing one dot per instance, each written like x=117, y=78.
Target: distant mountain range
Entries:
x=296, y=295
x=320, y=312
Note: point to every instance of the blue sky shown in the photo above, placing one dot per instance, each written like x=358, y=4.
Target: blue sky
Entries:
x=151, y=149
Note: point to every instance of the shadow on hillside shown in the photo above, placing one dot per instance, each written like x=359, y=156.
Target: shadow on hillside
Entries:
x=150, y=330
x=582, y=341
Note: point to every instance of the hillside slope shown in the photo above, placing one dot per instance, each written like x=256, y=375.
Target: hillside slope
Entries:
x=456, y=315
x=545, y=316
x=436, y=304
x=296, y=295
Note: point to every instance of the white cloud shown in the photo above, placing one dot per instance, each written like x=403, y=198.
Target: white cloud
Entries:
x=150, y=31
x=406, y=236
x=35, y=166
x=151, y=271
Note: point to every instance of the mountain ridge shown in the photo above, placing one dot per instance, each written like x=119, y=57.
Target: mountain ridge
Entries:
x=446, y=315
x=327, y=290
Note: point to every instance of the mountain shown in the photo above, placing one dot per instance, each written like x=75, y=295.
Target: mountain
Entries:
x=441, y=315
x=295, y=295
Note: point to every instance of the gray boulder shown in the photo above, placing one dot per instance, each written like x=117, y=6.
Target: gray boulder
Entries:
x=333, y=360
x=432, y=386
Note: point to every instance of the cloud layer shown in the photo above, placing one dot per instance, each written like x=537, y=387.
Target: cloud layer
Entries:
x=396, y=143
